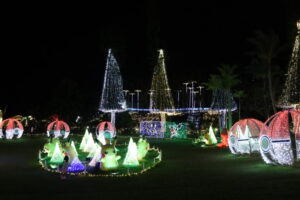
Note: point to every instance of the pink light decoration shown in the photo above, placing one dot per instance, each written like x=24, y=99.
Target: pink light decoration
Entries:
x=101, y=126
x=58, y=126
x=254, y=126
x=11, y=124
x=280, y=138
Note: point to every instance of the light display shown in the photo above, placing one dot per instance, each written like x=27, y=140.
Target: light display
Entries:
x=58, y=128
x=105, y=160
x=131, y=158
x=244, y=135
x=224, y=136
x=57, y=157
x=290, y=97
x=84, y=139
x=109, y=160
x=12, y=127
x=211, y=138
x=90, y=144
x=74, y=148
x=112, y=98
x=152, y=129
x=174, y=130
x=280, y=138
x=105, y=131
x=76, y=166
x=143, y=147
x=161, y=97
x=97, y=157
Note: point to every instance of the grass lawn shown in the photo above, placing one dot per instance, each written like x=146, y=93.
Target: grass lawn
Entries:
x=186, y=172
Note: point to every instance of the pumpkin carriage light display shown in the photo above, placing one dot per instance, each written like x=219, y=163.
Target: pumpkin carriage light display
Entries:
x=58, y=129
x=10, y=128
x=244, y=135
x=280, y=138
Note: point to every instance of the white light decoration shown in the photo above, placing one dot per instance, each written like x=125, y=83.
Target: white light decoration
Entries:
x=290, y=97
x=90, y=145
x=84, y=139
x=280, y=139
x=161, y=97
x=131, y=158
x=97, y=157
x=211, y=137
x=105, y=131
x=112, y=99
x=12, y=128
x=244, y=135
x=74, y=148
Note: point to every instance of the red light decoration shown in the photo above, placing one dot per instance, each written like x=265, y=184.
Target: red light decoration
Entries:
x=59, y=128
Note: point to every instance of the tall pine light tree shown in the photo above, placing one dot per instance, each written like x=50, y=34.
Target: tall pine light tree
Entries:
x=112, y=99
x=290, y=97
x=161, y=98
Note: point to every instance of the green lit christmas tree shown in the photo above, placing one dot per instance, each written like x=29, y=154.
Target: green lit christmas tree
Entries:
x=290, y=97
x=57, y=157
x=131, y=158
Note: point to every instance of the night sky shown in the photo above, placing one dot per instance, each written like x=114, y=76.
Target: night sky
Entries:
x=53, y=50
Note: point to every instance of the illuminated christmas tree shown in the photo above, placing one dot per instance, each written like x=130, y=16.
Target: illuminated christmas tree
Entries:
x=57, y=157
x=161, y=97
x=112, y=99
x=97, y=157
x=84, y=139
x=74, y=148
x=290, y=97
x=131, y=158
x=211, y=136
x=90, y=145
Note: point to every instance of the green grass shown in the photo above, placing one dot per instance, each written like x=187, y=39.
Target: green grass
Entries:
x=186, y=172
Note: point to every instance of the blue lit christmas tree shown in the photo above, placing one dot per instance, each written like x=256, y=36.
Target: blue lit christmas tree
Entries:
x=112, y=99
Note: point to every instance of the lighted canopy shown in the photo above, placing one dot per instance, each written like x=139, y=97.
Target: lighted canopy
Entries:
x=244, y=135
x=11, y=127
x=280, y=139
x=58, y=129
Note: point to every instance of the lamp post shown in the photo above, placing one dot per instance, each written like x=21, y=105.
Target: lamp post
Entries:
x=200, y=89
x=178, y=98
x=138, y=98
x=132, y=94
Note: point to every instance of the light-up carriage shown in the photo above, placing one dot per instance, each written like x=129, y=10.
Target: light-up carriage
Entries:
x=280, y=139
x=244, y=135
x=11, y=127
x=58, y=129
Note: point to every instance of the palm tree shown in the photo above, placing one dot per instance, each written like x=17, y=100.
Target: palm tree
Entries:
x=266, y=48
x=225, y=81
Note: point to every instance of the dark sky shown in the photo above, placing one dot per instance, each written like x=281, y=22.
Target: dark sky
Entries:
x=46, y=47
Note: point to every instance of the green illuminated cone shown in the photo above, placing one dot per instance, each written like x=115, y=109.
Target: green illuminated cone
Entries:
x=57, y=157
x=211, y=136
x=131, y=158
x=84, y=139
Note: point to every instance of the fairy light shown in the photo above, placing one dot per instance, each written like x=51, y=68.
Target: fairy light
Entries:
x=290, y=97
x=161, y=98
x=13, y=127
x=244, y=136
x=276, y=138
